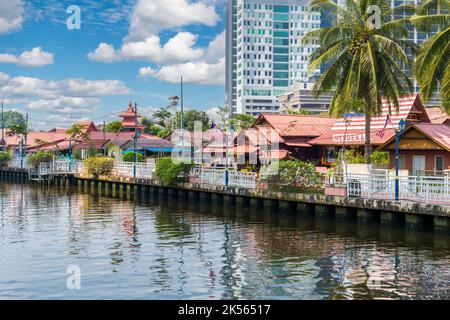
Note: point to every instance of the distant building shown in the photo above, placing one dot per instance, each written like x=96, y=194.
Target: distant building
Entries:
x=264, y=51
x=301, y=97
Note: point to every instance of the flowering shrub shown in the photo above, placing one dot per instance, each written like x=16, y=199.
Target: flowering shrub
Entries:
x=99, y=166
x=294, y=175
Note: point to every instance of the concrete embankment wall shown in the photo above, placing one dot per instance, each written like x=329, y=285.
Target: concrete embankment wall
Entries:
x=411, y=215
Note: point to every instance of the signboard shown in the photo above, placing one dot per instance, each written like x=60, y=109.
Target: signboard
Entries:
x=348, y=138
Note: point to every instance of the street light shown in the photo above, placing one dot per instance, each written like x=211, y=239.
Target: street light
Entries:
x=174, y=103
x=398, y=133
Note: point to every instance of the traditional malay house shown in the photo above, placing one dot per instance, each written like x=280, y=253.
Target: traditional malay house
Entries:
x=274, y=137
x=350, y=131
x=424, y=149
x=117, y=144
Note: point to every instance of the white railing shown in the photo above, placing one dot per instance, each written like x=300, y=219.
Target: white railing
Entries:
x=60, y=167
x=421, y=189
x=126, y=169
x=19, y=163
x=217, y=177
x=242, y=179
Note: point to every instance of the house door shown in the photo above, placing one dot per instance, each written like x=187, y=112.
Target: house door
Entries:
x=418, y=165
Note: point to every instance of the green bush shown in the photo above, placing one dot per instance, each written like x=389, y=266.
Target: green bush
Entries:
x=353, y=157
x=293, y=175
x=129, y=157
x=41, y=156
x=4, y=158
x=98, y=166
x=169, y=172
x=380, y=157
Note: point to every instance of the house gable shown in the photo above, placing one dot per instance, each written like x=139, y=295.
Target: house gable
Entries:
x=413, y=139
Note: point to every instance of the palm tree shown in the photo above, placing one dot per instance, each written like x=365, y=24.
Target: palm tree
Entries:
x=362, y=63
x=432, y=67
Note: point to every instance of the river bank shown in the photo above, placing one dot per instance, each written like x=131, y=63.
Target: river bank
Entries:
x=411, y=215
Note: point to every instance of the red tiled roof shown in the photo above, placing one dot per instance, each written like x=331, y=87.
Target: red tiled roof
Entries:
x=275, y=154
x=354, y=130
x=437, y=115
x=440, y=133
x=289, y=125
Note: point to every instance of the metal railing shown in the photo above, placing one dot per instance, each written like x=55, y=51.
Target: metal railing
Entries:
x=413, y=188
x=218, y=177
x=126, y=169
x=20, y=163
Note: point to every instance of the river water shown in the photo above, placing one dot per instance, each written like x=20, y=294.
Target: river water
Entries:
x=169, y=249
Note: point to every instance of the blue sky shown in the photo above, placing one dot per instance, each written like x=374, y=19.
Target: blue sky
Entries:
x=125, y=50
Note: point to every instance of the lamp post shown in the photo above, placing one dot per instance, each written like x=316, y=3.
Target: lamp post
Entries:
x=229, y=130
x=135, y=137
x=174, y=103
x=398, y=133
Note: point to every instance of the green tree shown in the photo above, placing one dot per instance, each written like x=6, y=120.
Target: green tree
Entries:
x=78, y=132
x=114, y=126
x=41, y=156
x=163, y=117
x=4, y=158
x=13, y=118
x=190, y=117
x=362, y=62
x=432, y=66
x=129, y=157
x=300, y=112
x=242, y=121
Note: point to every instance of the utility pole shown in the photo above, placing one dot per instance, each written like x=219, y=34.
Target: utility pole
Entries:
x=3, y=130
x=181, y=120
x=135, y=140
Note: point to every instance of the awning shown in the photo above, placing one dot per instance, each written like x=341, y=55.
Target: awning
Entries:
x=167, y=149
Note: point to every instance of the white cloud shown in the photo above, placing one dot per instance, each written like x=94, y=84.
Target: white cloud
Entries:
x=193, y=72
x=146, y=72
x=179, y=48
x=65, y=105
x=104, y=53
x=149, y=17
x=67, y=100
x=213, y=114
x=11, y=15
x=34, y=58
x=26, y=87
x=209, y=70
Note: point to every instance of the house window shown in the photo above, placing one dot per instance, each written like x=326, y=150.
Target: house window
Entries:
x=439, y=163
x=401, y=163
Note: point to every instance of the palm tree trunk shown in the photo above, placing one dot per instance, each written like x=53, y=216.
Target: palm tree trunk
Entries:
x=367, y=147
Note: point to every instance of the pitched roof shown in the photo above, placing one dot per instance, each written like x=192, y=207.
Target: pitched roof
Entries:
x=289, y=125
x=352, y=130
x=437, y=115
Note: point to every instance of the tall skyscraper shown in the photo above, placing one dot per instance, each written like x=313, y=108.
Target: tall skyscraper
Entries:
x=265, y=54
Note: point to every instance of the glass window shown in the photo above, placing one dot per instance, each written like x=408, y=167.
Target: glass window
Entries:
x=282, y=9
x=280, y=66
x=280, y=17
x=281, y=83
x=281, y=34
x=278, y=58
x=281, y=25
x=281, y=50
x=278, y=74
x=401, y=163
x=439, y=163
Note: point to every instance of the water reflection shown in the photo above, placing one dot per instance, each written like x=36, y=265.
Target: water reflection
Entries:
x=154, y=248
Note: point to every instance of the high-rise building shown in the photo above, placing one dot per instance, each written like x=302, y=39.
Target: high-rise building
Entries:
x=265, y=54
